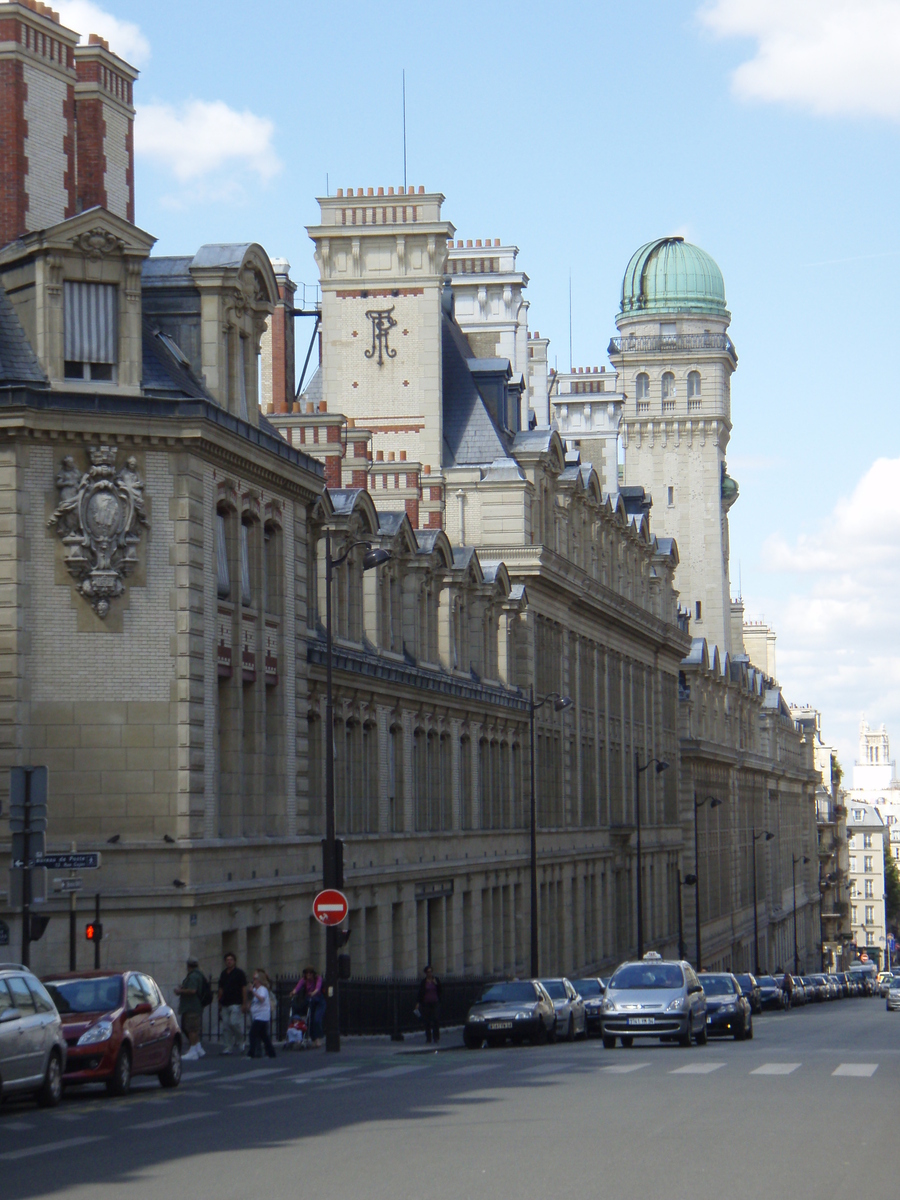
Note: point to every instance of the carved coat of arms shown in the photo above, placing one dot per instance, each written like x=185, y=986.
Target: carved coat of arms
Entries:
x=99, y=519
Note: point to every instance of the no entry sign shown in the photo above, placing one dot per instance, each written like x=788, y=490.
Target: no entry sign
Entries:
x=330, y=907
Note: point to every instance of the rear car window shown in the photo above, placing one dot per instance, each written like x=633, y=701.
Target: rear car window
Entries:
x=22, y=997
x=5, y=998
x=42, y=1001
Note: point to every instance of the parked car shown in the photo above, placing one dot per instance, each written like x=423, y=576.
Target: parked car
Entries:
x=591, y=991
x=893, y=996
x=750, y=988
x=815, y=988
x=837, y=987
x=798, y=995
x=883, y=980
x=844, y=980
x=117, y=1025
x=770, y=993
x=32, y=1046
x=516, y=1010
x=571, y=1021
x=864, y=973
x=653, y=998
x=727, y=1008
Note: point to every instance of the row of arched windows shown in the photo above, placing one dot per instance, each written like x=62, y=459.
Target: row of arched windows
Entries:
x=669, y=386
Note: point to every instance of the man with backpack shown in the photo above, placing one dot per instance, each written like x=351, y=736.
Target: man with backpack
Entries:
x=193, y=995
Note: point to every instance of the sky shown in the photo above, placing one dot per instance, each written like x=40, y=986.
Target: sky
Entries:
x=765, y=131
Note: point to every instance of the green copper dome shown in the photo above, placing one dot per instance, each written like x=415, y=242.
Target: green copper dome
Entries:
x=671, y=276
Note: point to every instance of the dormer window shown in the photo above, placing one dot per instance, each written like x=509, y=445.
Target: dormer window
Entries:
x=90, y=313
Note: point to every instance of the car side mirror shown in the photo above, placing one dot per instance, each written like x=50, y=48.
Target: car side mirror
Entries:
x=140, y=1010
x=9, y=1014
x=695, y=987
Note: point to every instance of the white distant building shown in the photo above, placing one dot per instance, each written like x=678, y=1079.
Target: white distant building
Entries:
x=587, y=409
x=875, y=780
x=866, y=831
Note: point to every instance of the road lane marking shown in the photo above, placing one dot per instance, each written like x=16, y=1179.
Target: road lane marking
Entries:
x=49, y=1147
x=392, y=1072
x=322, y=1072
x=857, y=1070
x=697, y=1069
x=285, y=1096
x=776, y=1069
x=162, y=1122
x=17, y=1126
x=624, y=1068
x=262, y=1072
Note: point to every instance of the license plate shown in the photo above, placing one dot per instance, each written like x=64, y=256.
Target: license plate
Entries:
x=640, y=1020
x=709, y=1020
x=495, y=1025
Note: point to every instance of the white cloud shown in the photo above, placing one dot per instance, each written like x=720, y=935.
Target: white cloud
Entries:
x=201, y=137
x=124, y=37
x=838, y=646
x=829, y=56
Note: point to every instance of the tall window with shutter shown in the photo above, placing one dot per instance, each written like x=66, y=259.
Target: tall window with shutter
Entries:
x=90, y=317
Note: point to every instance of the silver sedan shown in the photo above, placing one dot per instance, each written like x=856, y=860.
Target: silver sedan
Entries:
x=571, y=1019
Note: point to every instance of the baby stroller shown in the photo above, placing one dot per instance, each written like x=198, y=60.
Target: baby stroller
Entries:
x=296, y=1037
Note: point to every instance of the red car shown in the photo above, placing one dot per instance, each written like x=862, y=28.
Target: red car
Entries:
x=116, y=1025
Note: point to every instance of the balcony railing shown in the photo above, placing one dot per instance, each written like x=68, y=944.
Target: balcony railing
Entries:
x=654, y=344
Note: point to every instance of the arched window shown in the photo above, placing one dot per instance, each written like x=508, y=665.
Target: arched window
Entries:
x=668, y=386
x=693, y=384
x=642, y=386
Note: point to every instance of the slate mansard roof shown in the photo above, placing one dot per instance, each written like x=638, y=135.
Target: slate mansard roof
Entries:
x=18, y=362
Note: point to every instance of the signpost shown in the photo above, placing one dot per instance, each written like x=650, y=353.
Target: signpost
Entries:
x=28, y=792
x=330, y=907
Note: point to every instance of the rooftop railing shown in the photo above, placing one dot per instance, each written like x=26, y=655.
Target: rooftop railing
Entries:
x=655, y=343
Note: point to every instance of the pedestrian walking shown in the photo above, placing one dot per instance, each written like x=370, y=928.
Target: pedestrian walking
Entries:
x=260, y=1014
x=429, y=1004
x=190, y=1008
x=232, y=1005
x=312, y=987
x=787, y=986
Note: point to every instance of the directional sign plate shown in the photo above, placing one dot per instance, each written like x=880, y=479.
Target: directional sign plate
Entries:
x=89, y=861
x=68, y=885
x=330, y=907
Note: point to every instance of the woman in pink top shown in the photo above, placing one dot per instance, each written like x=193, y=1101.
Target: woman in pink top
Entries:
x=311, y=985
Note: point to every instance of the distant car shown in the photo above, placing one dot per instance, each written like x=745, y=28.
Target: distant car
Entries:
x=571, y=1020
x=32, y=1046
x=117, y=1025
x=883, y=980
x=815, y=988
x=750, y=988
x=770, y=993
x=864, y=973
x=517, y=1011
x=592, y=991
x=798, y=995
x=893, y=996
x=727, y=1008
x=654, y=998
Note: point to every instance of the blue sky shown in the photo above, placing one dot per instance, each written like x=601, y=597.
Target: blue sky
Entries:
x=766, y=132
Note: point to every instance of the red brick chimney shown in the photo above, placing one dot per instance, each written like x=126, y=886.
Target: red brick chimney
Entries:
x=104, y=113
x=281, y=325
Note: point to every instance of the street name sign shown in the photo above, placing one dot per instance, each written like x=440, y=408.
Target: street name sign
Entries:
x=68, y=885
x=330, y=907
x=89, y=861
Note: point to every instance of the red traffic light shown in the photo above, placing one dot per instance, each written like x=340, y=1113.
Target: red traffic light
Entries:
x=93, y=931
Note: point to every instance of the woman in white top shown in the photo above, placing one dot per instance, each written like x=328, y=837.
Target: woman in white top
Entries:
x=260, y=1015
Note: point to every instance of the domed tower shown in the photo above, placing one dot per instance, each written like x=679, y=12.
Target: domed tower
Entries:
x=675, y=360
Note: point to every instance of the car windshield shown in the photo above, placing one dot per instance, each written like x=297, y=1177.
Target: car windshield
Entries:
x=554, y=989
x=516, y=992
x=587, y=987
x=648, y=975
x=718, y=985
x=766, y=981
x=86, y=995
x=745, y=981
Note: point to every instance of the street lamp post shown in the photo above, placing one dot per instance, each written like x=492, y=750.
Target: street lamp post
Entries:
x=559, y=704
x=661, y=765
x=372, y=558
x=794, y=862
x=756, y=836
x=688, y=881
x=714, y=802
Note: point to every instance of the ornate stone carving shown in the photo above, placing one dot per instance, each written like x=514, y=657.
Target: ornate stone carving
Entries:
x=94, y=243
x=99, y=519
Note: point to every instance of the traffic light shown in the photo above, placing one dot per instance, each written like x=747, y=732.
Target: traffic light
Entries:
x=93, y=931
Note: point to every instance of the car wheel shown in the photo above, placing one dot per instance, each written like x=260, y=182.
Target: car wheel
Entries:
x=685, y=1038
x=570, y=1029
x=609, y=1042
x=472, y=1040
x=740, y=1033
x=120, y=1080
x=170, y=1076
x=52, y=1088
x=703, y=1036
x=552, y=1033
x=750, y=1030
x=627, y=1042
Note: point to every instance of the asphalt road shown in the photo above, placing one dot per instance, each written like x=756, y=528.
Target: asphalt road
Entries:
x=810, y=1107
